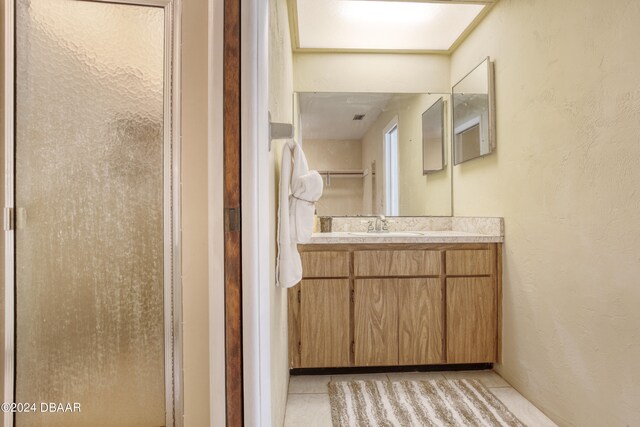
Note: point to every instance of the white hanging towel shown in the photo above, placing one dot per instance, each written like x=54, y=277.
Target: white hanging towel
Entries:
x=300, y=189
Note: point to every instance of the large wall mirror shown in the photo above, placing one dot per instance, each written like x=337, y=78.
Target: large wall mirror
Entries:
x=369, y=149
x=473, y=114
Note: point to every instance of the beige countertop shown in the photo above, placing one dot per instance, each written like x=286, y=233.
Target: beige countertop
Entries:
x=430, y=236
x=353, y=230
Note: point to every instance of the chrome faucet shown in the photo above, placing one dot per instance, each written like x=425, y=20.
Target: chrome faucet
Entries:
x=378, y=225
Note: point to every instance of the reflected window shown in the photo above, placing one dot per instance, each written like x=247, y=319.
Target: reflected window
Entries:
x=391, y=167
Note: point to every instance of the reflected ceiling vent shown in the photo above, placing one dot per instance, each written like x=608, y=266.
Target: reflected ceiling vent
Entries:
x=358, y=117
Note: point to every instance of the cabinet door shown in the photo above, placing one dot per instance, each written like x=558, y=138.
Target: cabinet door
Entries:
x=421, y=322
x=324, y=323
x=376, y=322
x=471, y=320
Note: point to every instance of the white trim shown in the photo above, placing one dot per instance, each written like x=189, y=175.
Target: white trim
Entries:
x=9, y=235
x=256, y=216
x=468, y=125
x=464, y=127
x=392, y=123
x=215, y=178
x=264, y=214
x=250, y=206
x=174, y=399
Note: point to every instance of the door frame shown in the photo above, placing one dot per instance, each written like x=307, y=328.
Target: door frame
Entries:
x=172, y=292
x=257, y=215
x=234, y=387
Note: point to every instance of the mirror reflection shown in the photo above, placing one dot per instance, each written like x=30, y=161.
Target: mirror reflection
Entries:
x=473, y=127
x=369, y=149
x=433, y=131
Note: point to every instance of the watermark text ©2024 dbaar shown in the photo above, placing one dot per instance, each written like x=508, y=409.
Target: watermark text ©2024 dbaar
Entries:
x=51, y=407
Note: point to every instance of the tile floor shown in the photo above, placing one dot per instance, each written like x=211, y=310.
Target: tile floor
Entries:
x=308, y=402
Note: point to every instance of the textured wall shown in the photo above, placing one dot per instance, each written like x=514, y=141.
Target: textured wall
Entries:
x=565, y=178
x=281, y=108
x=342, y=196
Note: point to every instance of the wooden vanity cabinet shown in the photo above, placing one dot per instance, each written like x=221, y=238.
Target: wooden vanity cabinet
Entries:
x=393, y=305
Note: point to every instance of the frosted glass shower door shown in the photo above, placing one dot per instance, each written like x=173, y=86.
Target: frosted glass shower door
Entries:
x=90, y=203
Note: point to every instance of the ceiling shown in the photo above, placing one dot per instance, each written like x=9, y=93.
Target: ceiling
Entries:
x=329, y=116
x=383, y=26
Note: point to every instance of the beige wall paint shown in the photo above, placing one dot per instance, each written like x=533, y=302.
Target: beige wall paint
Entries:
x=419, y=194
x=342, y=196
x=370, y=72
x=216, y=216
x=281, y=108
x=194, y=213
x=565, y=177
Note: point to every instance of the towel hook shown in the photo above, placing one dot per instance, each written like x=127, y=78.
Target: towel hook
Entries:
x=279, y=131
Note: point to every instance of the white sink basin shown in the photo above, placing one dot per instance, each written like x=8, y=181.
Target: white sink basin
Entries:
x=386, y=234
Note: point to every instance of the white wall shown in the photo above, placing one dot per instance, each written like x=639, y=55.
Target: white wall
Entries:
x=565, y=177
x=281, y=108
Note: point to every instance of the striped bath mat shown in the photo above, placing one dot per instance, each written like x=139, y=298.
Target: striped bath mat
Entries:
x=416, y=404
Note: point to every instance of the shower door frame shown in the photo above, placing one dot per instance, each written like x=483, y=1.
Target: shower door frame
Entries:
x=172, y=285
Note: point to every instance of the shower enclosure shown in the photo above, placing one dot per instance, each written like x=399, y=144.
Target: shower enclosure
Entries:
x=91, y=291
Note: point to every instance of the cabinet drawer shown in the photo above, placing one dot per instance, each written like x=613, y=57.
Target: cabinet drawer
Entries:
x=396, y=263
x=470, y=262
x=325, y=264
